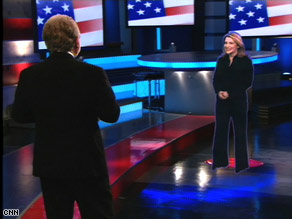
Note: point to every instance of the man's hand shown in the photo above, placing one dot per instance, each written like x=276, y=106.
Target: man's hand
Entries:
x=223, y=95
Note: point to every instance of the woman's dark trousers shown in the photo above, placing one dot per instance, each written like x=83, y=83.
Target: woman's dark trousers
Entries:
x=226, y=111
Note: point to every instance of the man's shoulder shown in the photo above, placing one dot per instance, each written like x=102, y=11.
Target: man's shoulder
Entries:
x=71, y=65
x=31, y=69
x=89, y=66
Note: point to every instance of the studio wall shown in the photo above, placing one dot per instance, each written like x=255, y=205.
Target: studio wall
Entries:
x=207, y=34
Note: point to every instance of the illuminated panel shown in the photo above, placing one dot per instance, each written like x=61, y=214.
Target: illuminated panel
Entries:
x=22, y=26
x=124, y=91
x=139, y=89
x=128, y=112
x=258, y=44
x=20, y=51
x=131, y=107
x=265, y=59
x=123, y=88
x=142, y=88
x=158, y=38
x=194, y=65
x=115, y=62
x=177, y=64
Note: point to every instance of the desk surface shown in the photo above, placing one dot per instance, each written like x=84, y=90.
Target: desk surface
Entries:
x=193, y=60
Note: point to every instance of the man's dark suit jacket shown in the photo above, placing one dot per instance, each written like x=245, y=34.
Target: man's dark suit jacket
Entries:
x=66, y=98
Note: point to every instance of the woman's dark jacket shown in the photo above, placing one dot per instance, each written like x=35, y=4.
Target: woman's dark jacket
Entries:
x=236, y=78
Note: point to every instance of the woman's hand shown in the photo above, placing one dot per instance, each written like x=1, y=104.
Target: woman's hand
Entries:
x=223, y=95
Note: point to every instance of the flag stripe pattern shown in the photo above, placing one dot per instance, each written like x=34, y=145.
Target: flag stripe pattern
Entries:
x=86, y=3
x=179, y=10
x=272, y=3
x=90, y=26
x=160, y=12
x=281, y=20
x=88, y=15
x=280, y=10
x=261, y=17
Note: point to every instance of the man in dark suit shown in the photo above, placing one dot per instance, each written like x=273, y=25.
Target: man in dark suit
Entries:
x=66, y=98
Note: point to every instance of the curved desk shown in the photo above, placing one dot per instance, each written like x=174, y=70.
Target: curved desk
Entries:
x=188, y=78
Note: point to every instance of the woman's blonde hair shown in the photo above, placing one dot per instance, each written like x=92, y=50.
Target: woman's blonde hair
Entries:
x=236, y=37
x=60, y=33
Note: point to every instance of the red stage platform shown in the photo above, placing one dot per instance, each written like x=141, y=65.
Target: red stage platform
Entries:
x=130, y=158
x=252, y=163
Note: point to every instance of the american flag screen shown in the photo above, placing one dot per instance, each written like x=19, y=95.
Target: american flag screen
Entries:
x=88, y=14
x=261, y=17
x=160, y=12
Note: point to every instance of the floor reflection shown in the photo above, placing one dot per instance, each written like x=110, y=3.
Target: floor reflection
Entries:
x=185, y=187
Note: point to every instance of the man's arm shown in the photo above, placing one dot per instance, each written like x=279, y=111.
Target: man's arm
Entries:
x=109, y=110
x=22, y=106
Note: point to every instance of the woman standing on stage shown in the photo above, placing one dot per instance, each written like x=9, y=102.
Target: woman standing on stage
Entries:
x=232, y=77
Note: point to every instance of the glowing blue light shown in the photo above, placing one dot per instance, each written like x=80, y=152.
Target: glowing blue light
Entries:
x=286, y=73
x=139, y=89
x=177, y=65
x=158, y=38
x=194, y=65
x=131, y=107
x=264, y=59
x=115, y=62
x=124, y=91
x=123, y=87
x=142, y=88
x=186, y=197
x=124, y=95
x=258, y=44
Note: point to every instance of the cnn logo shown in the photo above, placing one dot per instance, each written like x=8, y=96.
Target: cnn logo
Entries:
x=11, y=212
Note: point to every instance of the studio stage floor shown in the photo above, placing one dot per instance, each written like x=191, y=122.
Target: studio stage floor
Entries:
x=175, y=182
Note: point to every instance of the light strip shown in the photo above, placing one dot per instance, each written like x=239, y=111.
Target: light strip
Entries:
x=177, y=65
x=134, y=110
x=115, y=62
x=124, y=91
x=123, y=88
x=258, y=44
x=264, y=60
x=194, y=65
x=131, y=107
x=158, y=38
x=142, y=88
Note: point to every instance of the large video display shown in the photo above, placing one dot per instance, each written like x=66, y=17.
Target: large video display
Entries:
x=143, y=13
x=87, y=13
x=261, y=17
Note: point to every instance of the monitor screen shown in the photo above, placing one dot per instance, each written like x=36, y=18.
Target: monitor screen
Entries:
x=88, y=15
x=261, y=17
x=143, y=13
